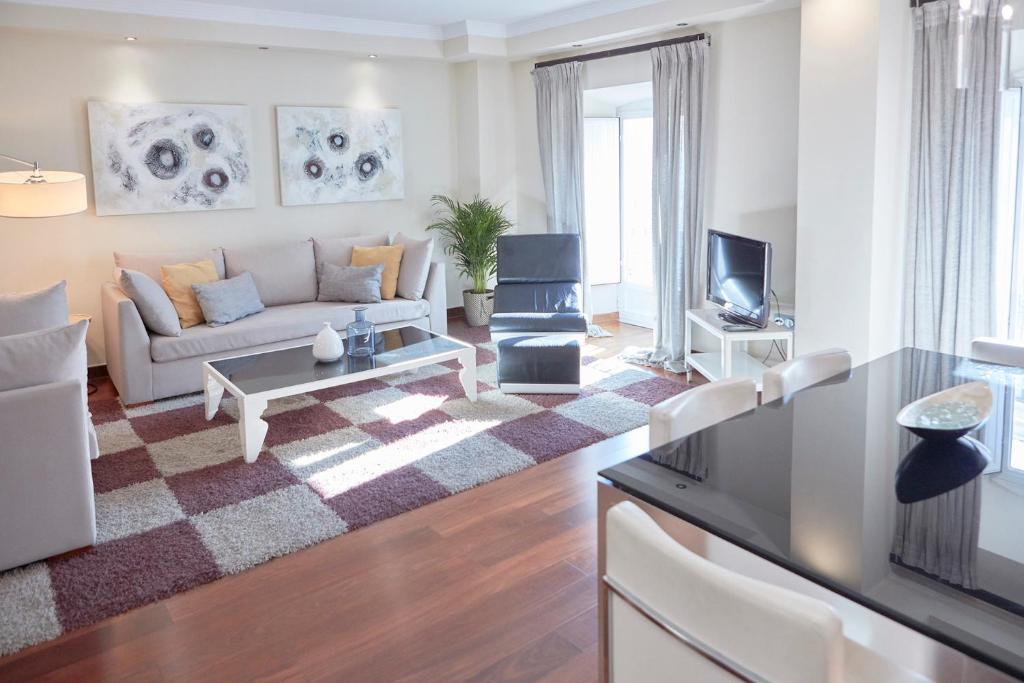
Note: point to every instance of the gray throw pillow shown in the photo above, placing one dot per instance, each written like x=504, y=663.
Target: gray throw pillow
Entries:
x=155, y=307
x=356, y=284
x=226, y=301
x=32, y=311
x=412, y=275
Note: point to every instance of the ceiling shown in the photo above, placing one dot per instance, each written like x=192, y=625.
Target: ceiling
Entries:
x=455, y=30
x=434, y=12
x=425, y=19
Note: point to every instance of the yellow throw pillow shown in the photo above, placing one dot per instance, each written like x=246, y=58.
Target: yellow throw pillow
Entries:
x=391, y=257
x=177, y=282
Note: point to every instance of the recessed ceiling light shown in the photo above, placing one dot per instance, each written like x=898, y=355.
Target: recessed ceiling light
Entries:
x=262, y=47
x=577, y=44
x=130, y=39
x=372, y=55
x=682, y=24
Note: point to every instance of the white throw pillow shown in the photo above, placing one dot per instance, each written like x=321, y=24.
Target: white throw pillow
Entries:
x=43, y=357
x=412, y=274
x=32, y=311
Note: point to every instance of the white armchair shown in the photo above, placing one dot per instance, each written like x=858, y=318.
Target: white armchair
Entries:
x=46, y=434
x=46, y=494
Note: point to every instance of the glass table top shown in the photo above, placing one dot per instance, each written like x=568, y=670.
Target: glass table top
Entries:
x=291, y=367
x=810, y=485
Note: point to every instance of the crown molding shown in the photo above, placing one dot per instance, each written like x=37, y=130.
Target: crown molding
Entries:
x=203, y=11
x=482, y=29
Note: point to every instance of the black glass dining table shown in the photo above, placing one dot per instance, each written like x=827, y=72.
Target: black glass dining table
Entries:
x=809, y=483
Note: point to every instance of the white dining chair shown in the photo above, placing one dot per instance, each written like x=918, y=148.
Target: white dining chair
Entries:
x=674, y=616
x=994, y=350
x=700, y=408
x=785, y=379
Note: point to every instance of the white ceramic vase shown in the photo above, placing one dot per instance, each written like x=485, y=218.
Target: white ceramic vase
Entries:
x=328, y=347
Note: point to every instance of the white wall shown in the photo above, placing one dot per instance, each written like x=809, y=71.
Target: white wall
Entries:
x=49, y=77
x=854, y=113
x=755, y=67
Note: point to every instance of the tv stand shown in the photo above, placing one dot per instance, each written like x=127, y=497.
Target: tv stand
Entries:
x=736, y=320
x=729, y=361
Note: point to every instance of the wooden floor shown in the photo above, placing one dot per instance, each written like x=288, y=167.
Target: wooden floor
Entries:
x=493, y=584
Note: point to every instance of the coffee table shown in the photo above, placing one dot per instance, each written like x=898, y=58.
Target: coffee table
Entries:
x=259, y=377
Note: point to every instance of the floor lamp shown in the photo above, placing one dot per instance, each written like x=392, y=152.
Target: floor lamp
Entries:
x=39, y=194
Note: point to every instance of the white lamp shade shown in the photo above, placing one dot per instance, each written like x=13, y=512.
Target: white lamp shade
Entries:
x=61, y=194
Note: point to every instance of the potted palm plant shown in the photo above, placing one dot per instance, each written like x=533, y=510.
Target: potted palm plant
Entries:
x=470, y=233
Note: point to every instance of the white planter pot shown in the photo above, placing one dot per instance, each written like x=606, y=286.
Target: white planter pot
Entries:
x=478, y=307
x=328, y=347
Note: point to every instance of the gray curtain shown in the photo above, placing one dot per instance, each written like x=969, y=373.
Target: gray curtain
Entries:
x=560, y=133
x=953, y=156
x=938, y=535
x=680, y=81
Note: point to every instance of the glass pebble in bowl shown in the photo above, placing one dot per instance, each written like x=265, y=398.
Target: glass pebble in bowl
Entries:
x=948, y=414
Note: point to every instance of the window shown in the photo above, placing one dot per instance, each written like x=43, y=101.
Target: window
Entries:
x=601, y=198
x=1009, y=266
x=637, y=210
x=618, y=159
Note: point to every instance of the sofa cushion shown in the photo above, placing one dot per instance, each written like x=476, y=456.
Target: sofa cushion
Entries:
x=280, y=323
x=338, y=250
x=538, y=322
x=284, y=273
x=149, y=263
x=353, y=284
x=391, y=257
x=539, y=258
x=177, y=281
x=546, y=297
x=539, y=360
x=412, y=276
x=55, y=354
x=32, y=311
x=155, y=307
x=226, y=301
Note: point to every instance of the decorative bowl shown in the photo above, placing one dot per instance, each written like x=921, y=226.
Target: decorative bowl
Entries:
x=948, y=414
x=937, y=466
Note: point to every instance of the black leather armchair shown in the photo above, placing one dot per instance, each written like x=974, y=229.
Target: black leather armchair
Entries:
x=537, y=322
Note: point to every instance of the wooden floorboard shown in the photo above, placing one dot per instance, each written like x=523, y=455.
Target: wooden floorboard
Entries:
x=493, y=584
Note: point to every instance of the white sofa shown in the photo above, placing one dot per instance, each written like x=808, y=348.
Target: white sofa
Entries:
x=145, y=366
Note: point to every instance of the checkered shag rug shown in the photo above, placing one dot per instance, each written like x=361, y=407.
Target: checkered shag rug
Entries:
x=177, y=507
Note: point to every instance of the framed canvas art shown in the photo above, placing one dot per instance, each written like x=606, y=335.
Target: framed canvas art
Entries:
x=330, y=155
x=156, y=158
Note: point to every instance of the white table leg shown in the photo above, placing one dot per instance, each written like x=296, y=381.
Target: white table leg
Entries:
x=467, y=375
x=214, y=392
x=253, y=429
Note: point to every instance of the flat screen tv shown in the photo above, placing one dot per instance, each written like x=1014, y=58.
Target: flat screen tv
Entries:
x=740, y=278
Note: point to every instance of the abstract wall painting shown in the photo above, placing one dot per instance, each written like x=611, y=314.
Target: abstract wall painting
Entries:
x=330, y=155
x=156, y=158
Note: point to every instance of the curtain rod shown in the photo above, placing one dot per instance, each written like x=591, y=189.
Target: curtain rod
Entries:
x=918, y=3
x=622, y=50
